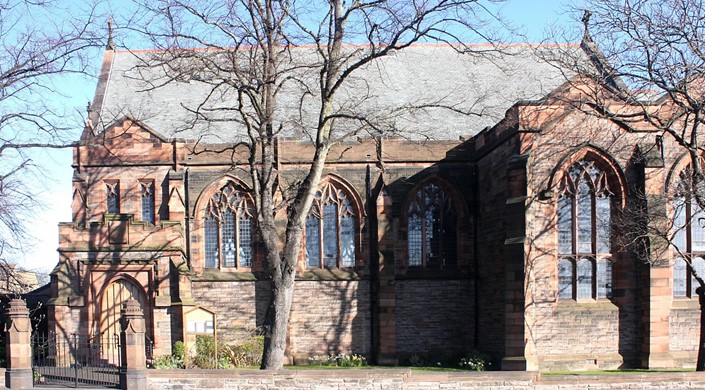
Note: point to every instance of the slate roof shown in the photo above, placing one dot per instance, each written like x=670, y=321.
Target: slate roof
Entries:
x=400, y=94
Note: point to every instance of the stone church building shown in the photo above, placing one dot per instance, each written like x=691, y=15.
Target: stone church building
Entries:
x=486, y=225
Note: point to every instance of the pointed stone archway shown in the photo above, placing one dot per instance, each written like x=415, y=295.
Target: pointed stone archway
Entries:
x=114, y=295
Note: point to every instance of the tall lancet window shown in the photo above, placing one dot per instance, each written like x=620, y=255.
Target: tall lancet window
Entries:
x=584, y=231
x=688, y=239
x=147, y=194
x=431, y=228
x=112, y=196
x=330, y=229
x=228, y=229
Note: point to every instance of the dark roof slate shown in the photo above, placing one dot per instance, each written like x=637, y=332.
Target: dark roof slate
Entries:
x=400, y=94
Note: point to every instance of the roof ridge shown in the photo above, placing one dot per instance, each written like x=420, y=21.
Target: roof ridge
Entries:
x=419, y=44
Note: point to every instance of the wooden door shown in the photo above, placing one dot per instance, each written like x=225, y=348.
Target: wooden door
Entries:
x=117, y=293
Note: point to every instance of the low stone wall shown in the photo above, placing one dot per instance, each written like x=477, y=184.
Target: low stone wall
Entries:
x=413, y=380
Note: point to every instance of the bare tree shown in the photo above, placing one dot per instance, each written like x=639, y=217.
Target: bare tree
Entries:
x=646, y=71
x=268, y=54
x=35, y=57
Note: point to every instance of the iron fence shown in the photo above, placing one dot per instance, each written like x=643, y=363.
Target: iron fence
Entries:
x=76, y=361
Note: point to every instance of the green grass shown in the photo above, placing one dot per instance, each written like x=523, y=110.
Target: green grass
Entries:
x=314, y=367
x=440, y=369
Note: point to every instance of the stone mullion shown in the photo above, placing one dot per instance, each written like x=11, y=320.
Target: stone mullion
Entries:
x=236, y=238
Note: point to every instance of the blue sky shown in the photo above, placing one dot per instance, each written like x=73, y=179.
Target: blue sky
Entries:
x=54, y=189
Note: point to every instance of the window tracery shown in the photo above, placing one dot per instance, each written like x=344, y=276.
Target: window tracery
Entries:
x=228, y=229
x=147, y=195
x=584, y=230
x=330, y=229
x=112, y=197
x=688, y=238
x=431, y=228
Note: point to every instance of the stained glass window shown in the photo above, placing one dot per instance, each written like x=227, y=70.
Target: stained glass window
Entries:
x=330, y=229
x=227, y=243
x=584, y=277
x=680, y=225
x=584, y=212
x=565, y=225
x=211, y=242
x=431, y=228
x=565, y=279
x=697, y=228
x=688, y=238
x=113, y=197
x=680, y=275
x=604, y=278
x=228, y=229
x=698, y=264
x=147, y=190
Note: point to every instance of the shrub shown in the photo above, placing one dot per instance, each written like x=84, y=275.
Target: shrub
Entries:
x=351, y=361
x=205, y=356
x=175, y=360
x=475, y=361
x=166, y=362
x=339, y=360
x=178, y=350
x=245, y=354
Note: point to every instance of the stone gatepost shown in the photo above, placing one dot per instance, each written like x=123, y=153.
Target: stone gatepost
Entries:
x=19, y=351
x=133, y=371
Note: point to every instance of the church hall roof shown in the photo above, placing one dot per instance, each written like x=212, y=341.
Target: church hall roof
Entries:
x=423, y=92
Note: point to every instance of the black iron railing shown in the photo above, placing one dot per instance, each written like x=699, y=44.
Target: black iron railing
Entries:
x=75, y=360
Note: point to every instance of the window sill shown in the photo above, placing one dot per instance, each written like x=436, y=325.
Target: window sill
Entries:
x=586, y=305
x=328, y=274
x=234, y=269
x=215, y=275
x=685, y=303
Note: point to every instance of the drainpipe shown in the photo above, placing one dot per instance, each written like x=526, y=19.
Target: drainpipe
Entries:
x=374, y=261
x=187, y=218
x=476, y=244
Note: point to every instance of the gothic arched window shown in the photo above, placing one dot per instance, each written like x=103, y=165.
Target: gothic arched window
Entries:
x=688, y=239
x=229, y=229
x=330, y=229
x=431, y=228
x=584, y=230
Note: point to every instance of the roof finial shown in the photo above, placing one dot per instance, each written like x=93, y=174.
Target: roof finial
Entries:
x=111, y=44
x=89, y=111
x=586, y=21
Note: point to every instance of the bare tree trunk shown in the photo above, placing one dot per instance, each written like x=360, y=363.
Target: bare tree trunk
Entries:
x=700, y=365
x=277, y=323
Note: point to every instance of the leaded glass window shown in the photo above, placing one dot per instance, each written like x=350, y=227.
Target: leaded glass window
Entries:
x=113, y=197
x=431, y=228
x=698, y=264
x=211, y=241
x=604, y=278
x=147, y=192
x=228, y=229
x=330, y=229
x=584, y=213
x=680, y=275
x=565, y=279
x=584, y=276
x=688, y=238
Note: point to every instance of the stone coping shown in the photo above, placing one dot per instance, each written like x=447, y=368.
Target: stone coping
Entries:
x=404, y=373
x=410, y=375
x=651, y=377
